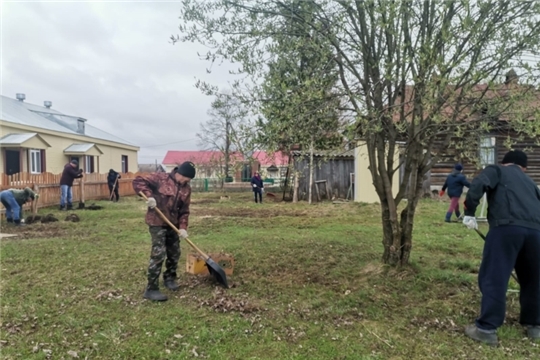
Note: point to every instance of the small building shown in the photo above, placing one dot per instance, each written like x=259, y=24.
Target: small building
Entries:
x=364, y=190
x=333, y=173
x=37, y=139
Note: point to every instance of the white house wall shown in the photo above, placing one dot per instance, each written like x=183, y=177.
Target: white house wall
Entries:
x=56, y=159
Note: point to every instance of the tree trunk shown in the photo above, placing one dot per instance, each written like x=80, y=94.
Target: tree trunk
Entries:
x=296, y=186
x=311, y=151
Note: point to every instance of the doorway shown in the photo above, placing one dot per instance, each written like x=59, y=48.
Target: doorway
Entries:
x=13, y=162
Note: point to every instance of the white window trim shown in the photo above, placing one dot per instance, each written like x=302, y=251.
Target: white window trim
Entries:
x=34, y=164
x=488, y=151
x=87, y=164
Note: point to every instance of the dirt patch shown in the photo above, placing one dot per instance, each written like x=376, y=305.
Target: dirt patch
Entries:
x=204, y=201
x=39, y=230
x=223, y=302
x=48, y=219
x=72, y=218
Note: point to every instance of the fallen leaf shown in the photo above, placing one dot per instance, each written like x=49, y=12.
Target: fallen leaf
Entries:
x=178, y=336
x=194, y=352
x=73, y=354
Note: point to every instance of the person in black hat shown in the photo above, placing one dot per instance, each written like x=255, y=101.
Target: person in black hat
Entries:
x=69, y=174
x=112, y=182
x=454, y=183
x=513, y=241
x=171, y=194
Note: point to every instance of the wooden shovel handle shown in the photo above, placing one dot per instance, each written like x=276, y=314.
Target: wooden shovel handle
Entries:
x=162, y=216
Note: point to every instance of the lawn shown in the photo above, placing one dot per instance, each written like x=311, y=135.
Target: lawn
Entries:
x=307, y=284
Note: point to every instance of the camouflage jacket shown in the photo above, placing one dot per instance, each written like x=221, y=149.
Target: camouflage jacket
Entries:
x=172, y=198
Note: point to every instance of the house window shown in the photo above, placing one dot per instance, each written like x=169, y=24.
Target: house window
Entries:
x=487, y=151
x=89, y=164
x=124, y=163
x=35, y=161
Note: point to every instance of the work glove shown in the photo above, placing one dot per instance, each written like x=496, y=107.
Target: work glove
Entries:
x=151, y=203
x=254, y=185
x=470, y=222
x=262, y=190
x=441, y=193
x=182, y=234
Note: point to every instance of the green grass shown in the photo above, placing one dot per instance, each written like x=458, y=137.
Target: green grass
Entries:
x=308, y=284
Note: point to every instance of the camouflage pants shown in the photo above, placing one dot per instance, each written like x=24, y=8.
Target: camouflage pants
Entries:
x=165, y=245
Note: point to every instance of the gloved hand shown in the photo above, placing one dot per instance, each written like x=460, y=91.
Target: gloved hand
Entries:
x=182, y=234
x=262, y=190
x=151, y=203
x=254, y=185
x=470, y=222
x=441, y=193
x=36, y=196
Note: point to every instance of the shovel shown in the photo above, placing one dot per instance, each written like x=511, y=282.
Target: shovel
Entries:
x=214, y=269
x=484, y=238
x=112, y=191
x=81, y=201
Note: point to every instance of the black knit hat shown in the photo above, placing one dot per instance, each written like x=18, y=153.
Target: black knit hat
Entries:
x=517, y=157
x=186, y=169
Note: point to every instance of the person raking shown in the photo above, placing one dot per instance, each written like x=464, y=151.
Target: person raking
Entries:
x=513, y=241
x=170, y=193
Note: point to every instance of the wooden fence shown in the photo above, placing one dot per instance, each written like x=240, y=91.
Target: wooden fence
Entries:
x=47, y=185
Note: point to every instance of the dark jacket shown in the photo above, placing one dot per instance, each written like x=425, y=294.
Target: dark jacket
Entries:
x=69, y=174
x=513, y=197
x=258, y=182
x=455, y=183
x=111, y=178
x=172, y=198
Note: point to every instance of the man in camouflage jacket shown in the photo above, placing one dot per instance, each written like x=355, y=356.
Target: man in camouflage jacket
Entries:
x=171, y=194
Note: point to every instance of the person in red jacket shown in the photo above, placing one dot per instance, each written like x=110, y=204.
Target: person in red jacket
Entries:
x=171, y=194
x=69, y=174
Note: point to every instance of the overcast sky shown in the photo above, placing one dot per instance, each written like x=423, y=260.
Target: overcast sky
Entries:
x=111, y=63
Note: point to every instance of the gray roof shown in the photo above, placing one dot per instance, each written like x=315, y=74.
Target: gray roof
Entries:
x=23, y=113
x=16, y=139
x=82, y=148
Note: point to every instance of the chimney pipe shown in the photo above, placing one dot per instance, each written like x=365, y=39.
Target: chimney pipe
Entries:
x=21, y=97
x=47, y=104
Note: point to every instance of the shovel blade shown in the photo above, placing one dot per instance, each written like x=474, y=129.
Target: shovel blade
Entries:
x=217, y=272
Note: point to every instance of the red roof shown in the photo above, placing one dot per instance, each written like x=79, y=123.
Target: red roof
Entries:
x=277, y=158
x=206, y=157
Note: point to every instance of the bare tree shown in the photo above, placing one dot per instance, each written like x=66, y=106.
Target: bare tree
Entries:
x=229, y=131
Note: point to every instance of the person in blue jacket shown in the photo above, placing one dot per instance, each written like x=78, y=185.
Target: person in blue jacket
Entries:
x=258, y=186
x=454, y=183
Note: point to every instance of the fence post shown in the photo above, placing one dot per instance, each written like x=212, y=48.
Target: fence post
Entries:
x=206, y=184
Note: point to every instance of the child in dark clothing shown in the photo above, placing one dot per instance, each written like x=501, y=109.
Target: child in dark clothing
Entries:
x=454, y=183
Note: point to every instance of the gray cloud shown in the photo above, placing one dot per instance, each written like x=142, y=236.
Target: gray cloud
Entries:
x=113, y=64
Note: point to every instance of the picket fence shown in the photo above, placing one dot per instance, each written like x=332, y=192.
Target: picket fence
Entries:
x=47, y=185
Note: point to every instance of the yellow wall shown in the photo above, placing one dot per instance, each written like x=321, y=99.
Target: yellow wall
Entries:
x=56, y=159
x=364, y=190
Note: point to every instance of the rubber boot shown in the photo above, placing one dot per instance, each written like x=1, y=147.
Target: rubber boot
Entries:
x=533, y=332
x=70, y=206
x=448, y=217
x=153, y=293
x=171, y=284
x=19, y=223
x=62, y=208
x=475, y=333
x=9, y=220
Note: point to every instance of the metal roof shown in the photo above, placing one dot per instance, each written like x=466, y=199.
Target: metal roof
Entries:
x=82, y=148
x=16, y=139
x=23, y=113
